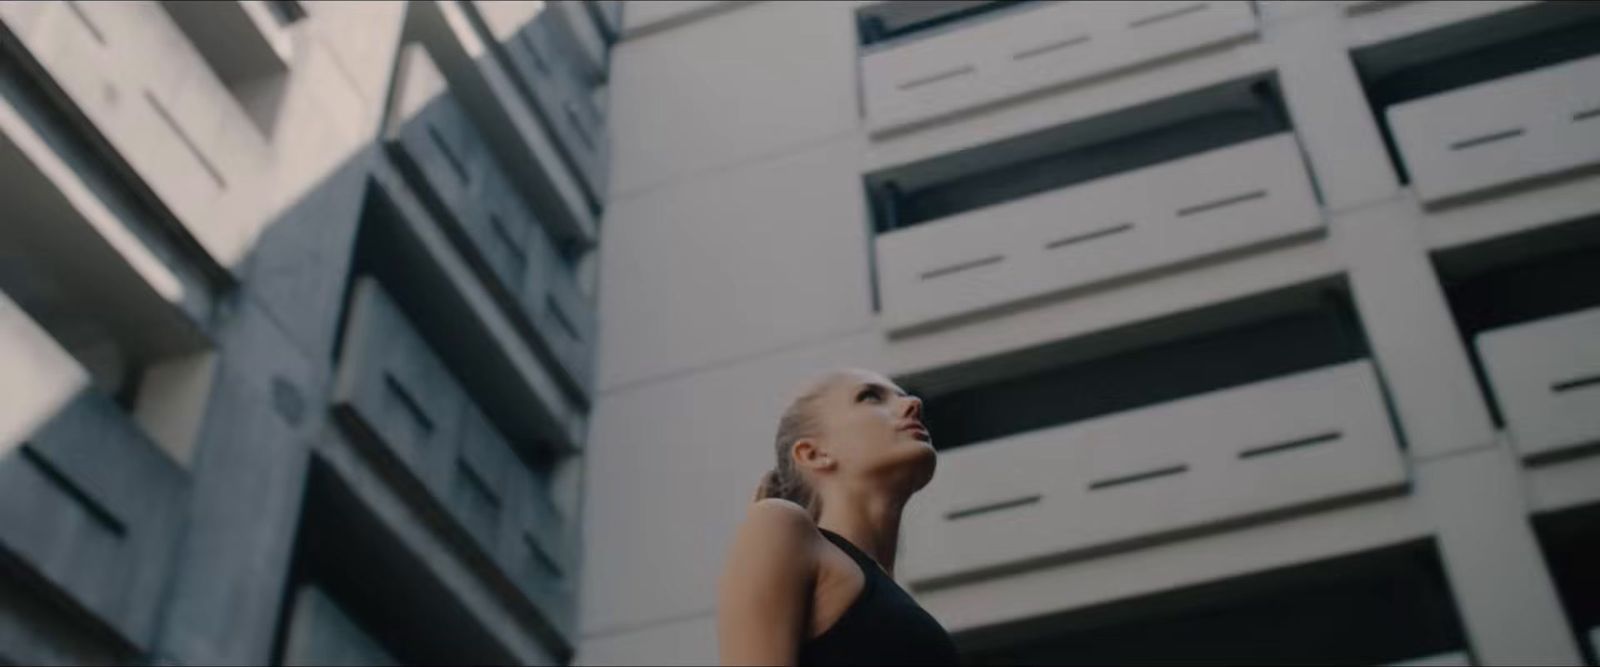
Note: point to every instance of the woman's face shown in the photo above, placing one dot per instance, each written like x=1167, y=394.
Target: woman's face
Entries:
x=871, y=426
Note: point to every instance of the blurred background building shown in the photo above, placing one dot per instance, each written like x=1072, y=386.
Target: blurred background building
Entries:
x=457, y=331
x=297, y=330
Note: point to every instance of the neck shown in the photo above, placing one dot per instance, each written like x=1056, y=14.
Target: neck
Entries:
x=869, y=518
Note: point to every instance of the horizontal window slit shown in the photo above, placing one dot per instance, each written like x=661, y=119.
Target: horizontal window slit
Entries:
x=1575, y=383
x=1157, y=18
x=1220, y=203
x=1486, y=139
x=1138, y=477
x=560, y=316
x=183, y=137
x=518, y=256
x=94, y=30
x=1089, y=236
x=1048, y=48
x=1292, y=444
x=935, y=78
x=1586, y=114
x=541, y=558
x=409, y=402
x=98, y=512
x=479, y=485
x=456, y=165
x=957, y=268
x=987, y=508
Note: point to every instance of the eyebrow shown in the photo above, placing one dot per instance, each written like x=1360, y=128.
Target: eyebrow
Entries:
x=879, y=385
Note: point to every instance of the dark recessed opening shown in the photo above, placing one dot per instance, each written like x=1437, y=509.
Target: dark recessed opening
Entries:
x=1185, y=355
x=1571, y=543
x=1080, y=151
x=344, y=549
x=883, y=23
x=1530, y=276
x=1376, y=607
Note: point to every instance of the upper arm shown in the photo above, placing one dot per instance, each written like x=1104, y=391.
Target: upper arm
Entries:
x=764, y=597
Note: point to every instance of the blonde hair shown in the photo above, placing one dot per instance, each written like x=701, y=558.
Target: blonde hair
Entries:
x=799, y=421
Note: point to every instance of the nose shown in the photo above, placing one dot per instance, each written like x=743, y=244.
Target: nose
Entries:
x=913, y=408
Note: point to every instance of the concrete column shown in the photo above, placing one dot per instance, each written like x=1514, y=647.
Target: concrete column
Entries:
x=1502, y=587
x=1329, y=108
x=1466, y=478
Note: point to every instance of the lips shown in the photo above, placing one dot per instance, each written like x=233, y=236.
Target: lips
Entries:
x=917, y=430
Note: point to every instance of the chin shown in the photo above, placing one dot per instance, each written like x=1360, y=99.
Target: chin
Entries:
x=923, y=465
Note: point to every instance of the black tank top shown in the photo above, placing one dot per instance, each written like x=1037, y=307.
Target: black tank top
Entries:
x=884, y=626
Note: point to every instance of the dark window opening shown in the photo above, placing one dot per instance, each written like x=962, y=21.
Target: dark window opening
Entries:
x=1054, y=388
x=1078, y=152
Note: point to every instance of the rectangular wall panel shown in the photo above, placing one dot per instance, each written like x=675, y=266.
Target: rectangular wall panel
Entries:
x=1225, y=199
x=1155, y=472
x=1533, y=125
x=1545, y=376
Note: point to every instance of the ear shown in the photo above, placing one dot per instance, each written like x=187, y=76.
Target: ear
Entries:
x=808, y=454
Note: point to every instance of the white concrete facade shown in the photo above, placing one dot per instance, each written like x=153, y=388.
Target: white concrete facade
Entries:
x=741, y=254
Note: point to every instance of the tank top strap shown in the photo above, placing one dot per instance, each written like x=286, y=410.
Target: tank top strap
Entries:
x=861, y=558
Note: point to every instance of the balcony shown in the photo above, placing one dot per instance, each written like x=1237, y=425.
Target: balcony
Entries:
x=560, y=67
x=142, y=85
x=1034, y=48
x=457, y=174
x=88, y=502
x=1531, y=126
x=394, y=390
x=1545, y=376
x=1156, y=472
x=1224, y=199
x=467, y=44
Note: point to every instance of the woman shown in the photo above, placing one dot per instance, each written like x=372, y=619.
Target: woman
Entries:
x=809, y=576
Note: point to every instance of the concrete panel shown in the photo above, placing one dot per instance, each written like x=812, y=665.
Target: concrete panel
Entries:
x=1134, y=476
x=1519, y=128
x=769, y=255
x=769, y=77
x=1546, y=378
x=1224, y=199
x=1050, y=45
x=397, y=388
x=87, y=500
x=691, y=641
x=1175, y=565
x=671, y=469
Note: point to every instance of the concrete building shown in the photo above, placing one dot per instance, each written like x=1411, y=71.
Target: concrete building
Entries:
x=457, y=331
x=296, y=340
x=1254, y=332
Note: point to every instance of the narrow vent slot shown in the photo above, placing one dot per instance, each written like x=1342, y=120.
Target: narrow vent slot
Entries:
x=1221, y=203
x=1486, y=139
x=1291, y=444
x=935, y=78
x=988, y=508
x=1138, y=477
x=1089, y=236
x=963, y=266
x=1575, y=383
x=1168, y=15
x=1050, y=47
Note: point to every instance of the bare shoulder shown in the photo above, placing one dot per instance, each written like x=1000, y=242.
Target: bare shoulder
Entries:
x=777, y=531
